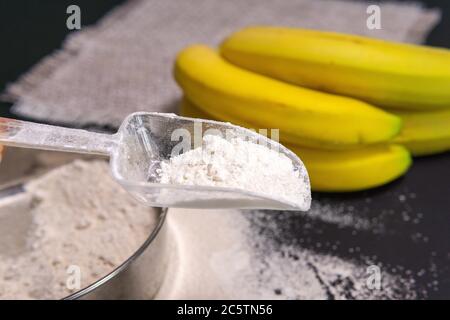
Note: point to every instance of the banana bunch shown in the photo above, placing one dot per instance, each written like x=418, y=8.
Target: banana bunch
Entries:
x=323, y=91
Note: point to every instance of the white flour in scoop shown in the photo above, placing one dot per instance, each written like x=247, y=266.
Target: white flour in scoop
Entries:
x=236, y=163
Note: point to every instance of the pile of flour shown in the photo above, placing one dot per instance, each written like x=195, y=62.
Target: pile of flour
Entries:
x=237, y=163
x=78, y=216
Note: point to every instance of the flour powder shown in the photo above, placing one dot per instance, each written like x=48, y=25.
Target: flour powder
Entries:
x=237, y=163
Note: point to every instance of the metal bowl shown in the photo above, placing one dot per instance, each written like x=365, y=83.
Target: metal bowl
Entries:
x=138, y=277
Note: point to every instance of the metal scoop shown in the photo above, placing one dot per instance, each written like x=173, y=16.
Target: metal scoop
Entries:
x=136, y=151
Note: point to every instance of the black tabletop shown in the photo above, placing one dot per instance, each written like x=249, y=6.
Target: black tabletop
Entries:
x=412, y=214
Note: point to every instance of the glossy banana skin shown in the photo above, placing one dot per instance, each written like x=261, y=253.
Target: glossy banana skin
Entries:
x=307, y=117
x=387, y=74
x=424, y=133
x=354, y=170
x=338, y=171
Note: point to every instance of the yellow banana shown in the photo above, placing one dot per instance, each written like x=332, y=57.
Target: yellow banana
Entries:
x=309, y=117
x=339, y=170
x=353, y=170
x=384, y=73
x=425, y=133
x=188, y=109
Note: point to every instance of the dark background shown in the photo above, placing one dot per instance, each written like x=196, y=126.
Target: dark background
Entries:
x=413, y=212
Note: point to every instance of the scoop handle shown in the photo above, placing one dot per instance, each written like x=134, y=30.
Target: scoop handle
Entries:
x=18, y=133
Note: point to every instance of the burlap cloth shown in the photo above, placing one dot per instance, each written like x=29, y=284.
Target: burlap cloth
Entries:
x=124, y=63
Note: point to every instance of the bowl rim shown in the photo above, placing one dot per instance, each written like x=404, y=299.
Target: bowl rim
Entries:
x=124, y=265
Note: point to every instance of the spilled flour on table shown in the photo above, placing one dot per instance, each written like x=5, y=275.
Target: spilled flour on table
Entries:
x=226, y=254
